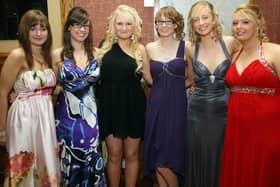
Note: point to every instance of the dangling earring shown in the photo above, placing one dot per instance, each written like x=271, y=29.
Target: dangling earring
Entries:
x=115, y=38
x=132, y=38
x=174, y=35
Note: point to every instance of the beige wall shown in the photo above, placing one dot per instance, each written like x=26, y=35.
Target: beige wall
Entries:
x=55, y=21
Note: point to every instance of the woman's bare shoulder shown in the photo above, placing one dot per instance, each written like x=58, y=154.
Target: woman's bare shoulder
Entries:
x=189, y=48
x=232, y=44
x=151, y=45
x=272, y=50
x=57, y=51
x=16, y=56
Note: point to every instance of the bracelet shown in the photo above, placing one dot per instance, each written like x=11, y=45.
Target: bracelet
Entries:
x=2, y=133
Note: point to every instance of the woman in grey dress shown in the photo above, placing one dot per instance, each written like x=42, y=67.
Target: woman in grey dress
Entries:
x=210, y=53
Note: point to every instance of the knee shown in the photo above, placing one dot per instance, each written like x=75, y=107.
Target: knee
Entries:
x=115, y=156
x=162, y=170
x=131, y=156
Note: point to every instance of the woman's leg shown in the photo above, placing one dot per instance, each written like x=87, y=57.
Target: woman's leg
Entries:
x=160, y=180
x=131, y=148
x=166, y=177
x=115, y=152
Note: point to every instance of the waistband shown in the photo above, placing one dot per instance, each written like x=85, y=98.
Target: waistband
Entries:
x=255, y=90
x=44, y=92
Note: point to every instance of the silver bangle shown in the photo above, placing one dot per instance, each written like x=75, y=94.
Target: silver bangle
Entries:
x=2, y=133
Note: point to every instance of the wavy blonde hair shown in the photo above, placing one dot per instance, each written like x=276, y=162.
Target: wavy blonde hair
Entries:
x=253, y=11
x=110, y=36
x=194, y=37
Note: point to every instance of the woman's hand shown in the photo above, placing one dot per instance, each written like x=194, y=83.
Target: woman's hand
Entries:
x=2, y=138
x=191, y=90
x=12, y=96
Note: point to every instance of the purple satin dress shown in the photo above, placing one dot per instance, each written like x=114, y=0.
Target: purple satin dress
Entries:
x=166, y=116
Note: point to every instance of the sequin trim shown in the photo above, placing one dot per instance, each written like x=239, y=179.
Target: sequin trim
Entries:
x=253, y=90
x=165, y=68
x=264, y=62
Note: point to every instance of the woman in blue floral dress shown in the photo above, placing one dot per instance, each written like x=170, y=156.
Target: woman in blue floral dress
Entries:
x=75, y=109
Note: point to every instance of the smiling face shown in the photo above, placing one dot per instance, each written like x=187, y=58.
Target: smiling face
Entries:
x=244, y=27
x=124, y=26
x=165, y=26
x=202, y=20
x=79, y=31
x=38, y=34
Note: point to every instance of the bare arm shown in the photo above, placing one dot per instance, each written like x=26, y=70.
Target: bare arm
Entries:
x=146, y=67
x=189, y=67
x=10, y=70
x=271, y=54
x=57, y=61
x=233, y=45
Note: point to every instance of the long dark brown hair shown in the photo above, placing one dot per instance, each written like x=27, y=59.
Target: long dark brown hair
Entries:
x=30, y=19
x=76, y=15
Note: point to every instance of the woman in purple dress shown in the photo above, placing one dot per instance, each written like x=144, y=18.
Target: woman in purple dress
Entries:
x=165, y=131
x=81, y=163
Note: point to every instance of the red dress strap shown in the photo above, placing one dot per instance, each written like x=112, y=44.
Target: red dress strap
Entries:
x=239, y=53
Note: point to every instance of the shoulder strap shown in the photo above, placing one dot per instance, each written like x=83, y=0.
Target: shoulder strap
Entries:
x=181, y=49
x=236, y=58
x=264, y=62
x=225, y=49
x=196, y=51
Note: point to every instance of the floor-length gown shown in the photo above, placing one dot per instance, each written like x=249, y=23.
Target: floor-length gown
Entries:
x=81, y=162
x=166, y=116
x=31, y=140
x=252, y=140
x=207, y=113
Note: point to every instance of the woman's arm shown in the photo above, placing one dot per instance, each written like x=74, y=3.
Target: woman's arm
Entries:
x=10, y=70
x=271, y=55
x=56, y=64
x=232, y=44
x=56, y=60
x=189, y=67
x=146, y=66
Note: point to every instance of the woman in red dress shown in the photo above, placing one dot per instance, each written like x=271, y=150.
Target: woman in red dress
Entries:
x=252, y=143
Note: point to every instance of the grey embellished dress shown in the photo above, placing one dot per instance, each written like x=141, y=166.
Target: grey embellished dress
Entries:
x=207, y=111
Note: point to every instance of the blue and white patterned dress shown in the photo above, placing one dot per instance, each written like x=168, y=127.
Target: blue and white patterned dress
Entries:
x=81, y=162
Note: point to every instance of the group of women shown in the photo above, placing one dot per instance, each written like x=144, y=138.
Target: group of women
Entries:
x=224, y=132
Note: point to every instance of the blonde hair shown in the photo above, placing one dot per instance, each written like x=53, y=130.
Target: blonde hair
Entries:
x=110, y=36
x=194, y=37
x=175, y=16
x=253, y=11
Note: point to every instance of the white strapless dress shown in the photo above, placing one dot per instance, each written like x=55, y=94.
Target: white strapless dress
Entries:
x=31, y=142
